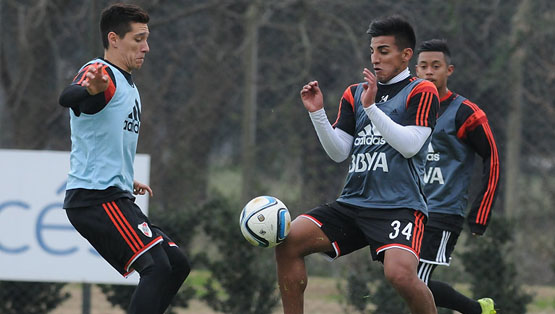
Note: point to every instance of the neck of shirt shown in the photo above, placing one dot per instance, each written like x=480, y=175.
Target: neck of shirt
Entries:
x=398, y=78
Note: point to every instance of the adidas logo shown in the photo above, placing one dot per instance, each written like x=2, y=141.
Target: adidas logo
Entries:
x=369, y=136
x=384, y=98
x=133, y=121
x=432, y=155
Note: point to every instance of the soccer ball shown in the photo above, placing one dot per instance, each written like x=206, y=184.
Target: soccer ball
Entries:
x=265, y=221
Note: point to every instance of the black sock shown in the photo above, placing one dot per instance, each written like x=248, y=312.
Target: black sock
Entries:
x=447, y=297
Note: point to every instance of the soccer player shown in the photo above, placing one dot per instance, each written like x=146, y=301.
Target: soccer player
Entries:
x=461, y=131
x=383, y=125
x=105, y=118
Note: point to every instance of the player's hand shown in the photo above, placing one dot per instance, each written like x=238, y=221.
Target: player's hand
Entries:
x=96, y=79
x=141, y=189
x=368, y=96
x=312, y=97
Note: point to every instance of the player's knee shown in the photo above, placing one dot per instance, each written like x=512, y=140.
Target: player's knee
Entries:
x=284, y=251
x=291, y=248
x=304, y=238
x=162, y=268
x=181, y=266
x=399, y=276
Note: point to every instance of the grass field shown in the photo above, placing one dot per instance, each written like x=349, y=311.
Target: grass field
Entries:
x=321, y=297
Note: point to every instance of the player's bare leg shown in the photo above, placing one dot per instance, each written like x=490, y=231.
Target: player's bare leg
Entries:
x=304, y=238
x=400, y=270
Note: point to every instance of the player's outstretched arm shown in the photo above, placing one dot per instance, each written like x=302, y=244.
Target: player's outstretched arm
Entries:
x=335, y=142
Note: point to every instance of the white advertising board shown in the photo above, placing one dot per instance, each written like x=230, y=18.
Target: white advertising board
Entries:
x=37, y=242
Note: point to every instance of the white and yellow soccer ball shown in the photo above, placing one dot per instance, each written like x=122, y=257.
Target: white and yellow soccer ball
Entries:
x=265, y=221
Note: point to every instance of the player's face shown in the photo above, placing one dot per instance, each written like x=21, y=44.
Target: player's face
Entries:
x=133, y=47
x=387, y=59
x=432, y=66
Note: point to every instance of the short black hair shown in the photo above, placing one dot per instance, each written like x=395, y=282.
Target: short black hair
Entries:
x=439, y=45
x=118, y=17
x=397, y=26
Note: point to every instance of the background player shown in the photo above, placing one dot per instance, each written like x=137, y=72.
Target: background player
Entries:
x=383, y=124
x=105, y=119
x=462, y=130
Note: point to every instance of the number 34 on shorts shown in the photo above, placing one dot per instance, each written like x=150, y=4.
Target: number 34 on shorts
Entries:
x=400, y=230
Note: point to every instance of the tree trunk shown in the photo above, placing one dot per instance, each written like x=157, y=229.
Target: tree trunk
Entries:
x=514, y=119
x=249, y=106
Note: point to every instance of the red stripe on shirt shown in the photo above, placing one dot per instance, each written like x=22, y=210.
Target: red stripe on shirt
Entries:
x=424, y=86
x=428, y=108
x=84, y=71
x=111, y=90
x=348, y=96
x=423, y=109
x=427, y=90
x=485, y=206
x=476, y=119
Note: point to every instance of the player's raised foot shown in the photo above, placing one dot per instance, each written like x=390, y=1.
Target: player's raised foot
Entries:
x=488, y=306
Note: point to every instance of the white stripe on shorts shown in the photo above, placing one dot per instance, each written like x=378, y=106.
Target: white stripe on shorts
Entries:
x=424, y=272
x=440, y=257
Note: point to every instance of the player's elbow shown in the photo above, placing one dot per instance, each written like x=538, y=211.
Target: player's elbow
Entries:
x=339, y=159
x=409, y=153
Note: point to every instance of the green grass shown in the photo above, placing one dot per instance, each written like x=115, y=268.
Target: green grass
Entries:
x=324, y=290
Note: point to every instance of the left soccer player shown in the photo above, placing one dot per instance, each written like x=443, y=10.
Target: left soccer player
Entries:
x=105, y=118
x=462, y=131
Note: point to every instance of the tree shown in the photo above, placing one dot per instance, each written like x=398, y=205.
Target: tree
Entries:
x=491, y=273
x=30, y=297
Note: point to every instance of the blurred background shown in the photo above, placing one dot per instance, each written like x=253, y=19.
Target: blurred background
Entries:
x=223, y=123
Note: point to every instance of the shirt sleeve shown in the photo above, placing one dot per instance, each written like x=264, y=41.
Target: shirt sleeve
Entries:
x=474, y=130
x=407, y=140
x=336, y=142
x=76, y=97
x=346, y=114
x=422, y=105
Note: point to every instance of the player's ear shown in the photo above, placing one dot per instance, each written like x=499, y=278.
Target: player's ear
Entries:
x=450, y=69
x=406, y=54
x=113, y=39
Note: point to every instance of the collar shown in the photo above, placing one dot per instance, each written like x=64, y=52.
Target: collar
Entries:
x=449, y=94
x=398, y=78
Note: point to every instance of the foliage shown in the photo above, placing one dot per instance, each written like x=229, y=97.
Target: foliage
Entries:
x=192, y=87
x=242, y=278
x=118, y=295
x=30, y=297
x=491, y=272
x=367, y=287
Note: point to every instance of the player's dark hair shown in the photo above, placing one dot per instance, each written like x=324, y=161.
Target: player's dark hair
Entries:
x=396, y=26
x=439, y=45
x=118, y=17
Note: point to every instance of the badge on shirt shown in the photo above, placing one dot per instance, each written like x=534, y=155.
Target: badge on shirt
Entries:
x=145, y=229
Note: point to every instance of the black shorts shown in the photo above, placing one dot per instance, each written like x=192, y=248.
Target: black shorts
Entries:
x=437, y=246
x=118, y=231
x=350, y=228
